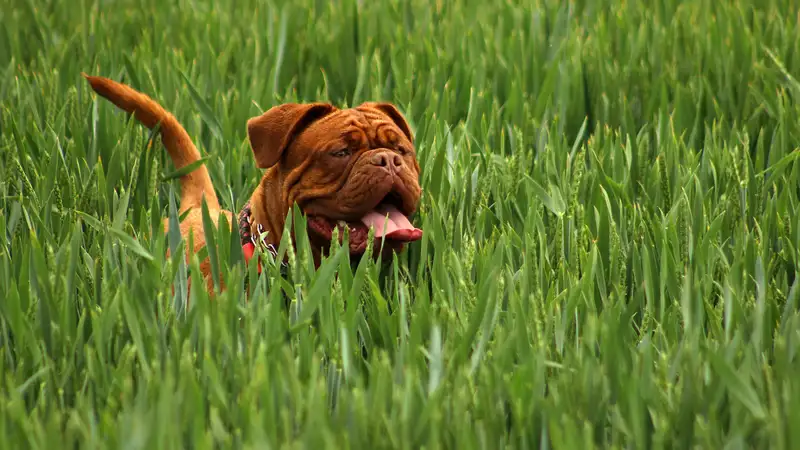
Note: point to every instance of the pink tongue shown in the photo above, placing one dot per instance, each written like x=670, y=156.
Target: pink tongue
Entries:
x=389, y=222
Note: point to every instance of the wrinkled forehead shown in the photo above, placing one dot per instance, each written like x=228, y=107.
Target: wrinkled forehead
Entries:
x=355, y=128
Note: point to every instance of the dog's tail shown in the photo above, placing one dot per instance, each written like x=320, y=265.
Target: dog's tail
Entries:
x=175, y=138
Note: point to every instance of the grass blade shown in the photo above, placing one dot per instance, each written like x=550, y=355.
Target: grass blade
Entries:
x=209, y=118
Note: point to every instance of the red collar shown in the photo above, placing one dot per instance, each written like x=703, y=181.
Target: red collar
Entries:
x=248, y=249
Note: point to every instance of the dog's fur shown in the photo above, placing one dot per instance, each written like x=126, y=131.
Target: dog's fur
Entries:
x=335, y=164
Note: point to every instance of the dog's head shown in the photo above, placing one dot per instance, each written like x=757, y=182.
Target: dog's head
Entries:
x=354, y=168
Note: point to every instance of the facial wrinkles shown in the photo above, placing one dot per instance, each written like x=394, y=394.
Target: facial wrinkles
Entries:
x=291, y=181
x=294, y=191
x=371, y=129
x=378, y=131
x=355, y=138
x=301, y=196
x=385, y=136
x=366, y=127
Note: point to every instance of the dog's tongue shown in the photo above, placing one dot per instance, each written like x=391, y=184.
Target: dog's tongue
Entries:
x=389, y=222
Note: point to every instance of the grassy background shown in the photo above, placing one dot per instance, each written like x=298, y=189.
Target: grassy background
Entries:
x=610, y=213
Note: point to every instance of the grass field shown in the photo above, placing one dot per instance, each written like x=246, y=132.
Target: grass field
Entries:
x=610, y=212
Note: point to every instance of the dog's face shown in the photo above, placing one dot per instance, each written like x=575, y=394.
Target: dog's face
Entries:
x=354, y=168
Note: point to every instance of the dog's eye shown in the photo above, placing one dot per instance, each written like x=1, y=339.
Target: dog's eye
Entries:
x=341, y=153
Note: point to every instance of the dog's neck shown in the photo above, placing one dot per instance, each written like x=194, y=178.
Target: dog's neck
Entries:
x=266, y=198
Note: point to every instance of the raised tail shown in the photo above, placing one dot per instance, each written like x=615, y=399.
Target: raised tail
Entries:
x=175, y=138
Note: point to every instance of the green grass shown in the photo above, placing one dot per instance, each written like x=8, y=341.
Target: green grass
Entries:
x=610, y=211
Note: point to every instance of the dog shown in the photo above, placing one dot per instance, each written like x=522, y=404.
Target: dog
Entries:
x=355, y=168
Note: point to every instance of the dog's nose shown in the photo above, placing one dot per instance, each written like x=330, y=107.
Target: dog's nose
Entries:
x=389, y=160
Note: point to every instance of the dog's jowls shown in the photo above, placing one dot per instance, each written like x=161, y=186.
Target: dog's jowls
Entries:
x=353, y=168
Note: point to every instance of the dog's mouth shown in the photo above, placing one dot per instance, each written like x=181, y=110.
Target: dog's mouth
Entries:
x=392, y=227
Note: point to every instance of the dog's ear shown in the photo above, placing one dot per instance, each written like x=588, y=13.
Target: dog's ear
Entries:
x=272, y=132
x=393, y=113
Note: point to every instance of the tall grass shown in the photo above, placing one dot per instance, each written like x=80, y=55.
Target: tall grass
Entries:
x=610, y=211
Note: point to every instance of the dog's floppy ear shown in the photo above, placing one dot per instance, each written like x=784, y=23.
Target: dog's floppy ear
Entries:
x=394, y=114
x=272, y=132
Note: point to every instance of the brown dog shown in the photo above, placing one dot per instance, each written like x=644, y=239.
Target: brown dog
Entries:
x=343, y=167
